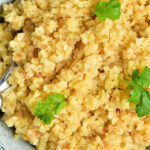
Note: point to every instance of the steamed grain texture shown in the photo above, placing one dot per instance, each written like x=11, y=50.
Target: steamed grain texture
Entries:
x=61, y=48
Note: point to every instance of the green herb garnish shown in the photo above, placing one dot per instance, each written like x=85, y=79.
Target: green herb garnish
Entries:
x=139, y=95
x=46, y=110
x=111, y=10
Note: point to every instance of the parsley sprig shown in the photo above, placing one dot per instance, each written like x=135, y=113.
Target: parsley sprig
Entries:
x=111, y=10
x=46, y=110
x=139, y=95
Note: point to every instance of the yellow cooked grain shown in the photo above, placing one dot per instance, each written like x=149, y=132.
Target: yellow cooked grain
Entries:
x=63, y=49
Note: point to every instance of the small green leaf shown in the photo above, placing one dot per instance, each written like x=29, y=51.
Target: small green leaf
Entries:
x=111, y=10
x=144, y=78
x=135, y=74
x=45, y=110
x=114, y=10
x=100, y=13
x=139, y=95
x=56, y=99
x=47, y=117
x=143, y=108
x=60, y=107
x=135, y=95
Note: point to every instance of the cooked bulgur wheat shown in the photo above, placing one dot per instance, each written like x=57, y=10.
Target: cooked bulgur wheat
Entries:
x=61, y=48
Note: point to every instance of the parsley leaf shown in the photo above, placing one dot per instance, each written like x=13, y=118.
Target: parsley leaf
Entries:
x=143, y=108
x=144, y=78
x=46, y=110
x=135, y=74
x=135, y=95
x=111, y=10
x=139, y=95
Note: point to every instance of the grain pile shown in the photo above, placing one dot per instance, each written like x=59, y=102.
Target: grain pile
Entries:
x=60, y=48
